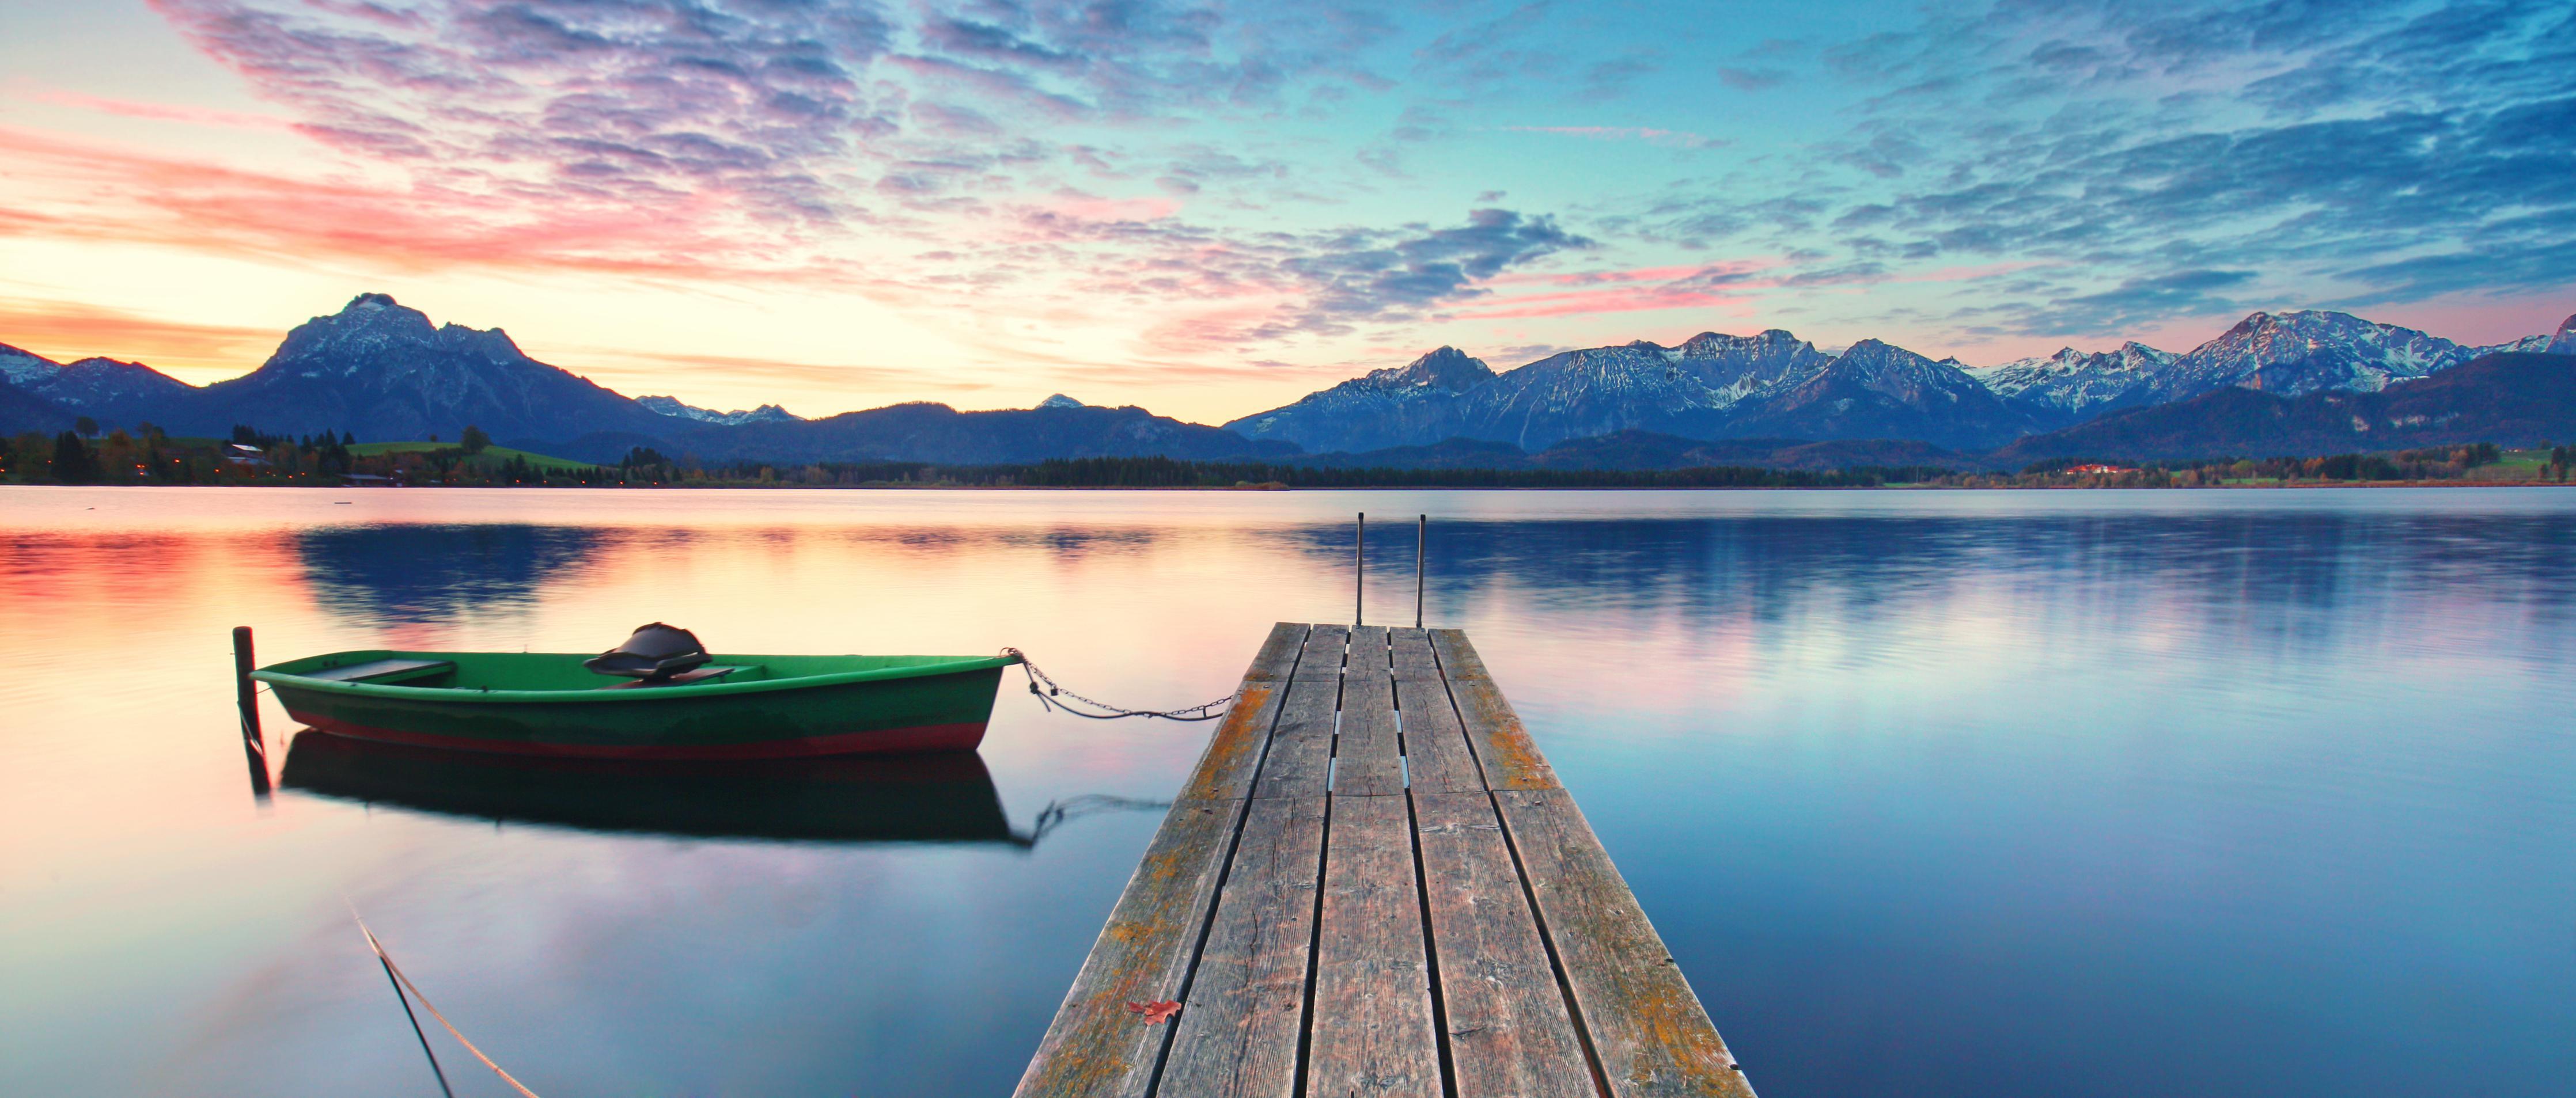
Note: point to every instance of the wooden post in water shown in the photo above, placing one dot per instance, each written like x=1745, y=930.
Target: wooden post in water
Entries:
x=246, y=697
x=1421, y=534
x=1359, y=571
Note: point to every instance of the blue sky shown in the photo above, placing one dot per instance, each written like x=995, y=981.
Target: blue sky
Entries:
x=1208, y=209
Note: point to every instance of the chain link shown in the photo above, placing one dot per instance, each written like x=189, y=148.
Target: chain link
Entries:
x=1053, y=695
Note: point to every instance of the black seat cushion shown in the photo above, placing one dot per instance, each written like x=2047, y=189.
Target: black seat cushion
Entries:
x=653, y=652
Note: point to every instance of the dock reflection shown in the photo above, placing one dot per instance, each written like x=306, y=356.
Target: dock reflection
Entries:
x=938, y=798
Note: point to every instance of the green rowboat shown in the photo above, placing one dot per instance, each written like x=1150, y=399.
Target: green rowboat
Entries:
x=933, y=798
x=721, y=707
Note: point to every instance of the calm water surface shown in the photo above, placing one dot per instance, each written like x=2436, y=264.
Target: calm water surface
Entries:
x=2253, y=793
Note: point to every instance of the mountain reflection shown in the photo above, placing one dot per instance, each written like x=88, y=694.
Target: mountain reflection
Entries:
x=1766, y=566
x=422, y=573
x=946, y=798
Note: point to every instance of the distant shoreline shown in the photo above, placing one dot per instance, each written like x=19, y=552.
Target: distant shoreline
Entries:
x=323, y=461
x=707, y=487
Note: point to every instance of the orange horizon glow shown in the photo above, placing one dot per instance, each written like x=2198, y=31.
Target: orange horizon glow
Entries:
x=987, y=228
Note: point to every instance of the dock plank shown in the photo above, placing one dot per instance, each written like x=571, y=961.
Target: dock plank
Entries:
x=1368, y=650
x=1412, y=655
x=1368, y=760
x=1458, y=658
x=1509, y=1029
x=1277, y=658
x=1372, y=1032
x=1322, y=658
x=1233, y=754
x=1096, y=1048
x=1511, y=760
x=1436, y=756
x=1237, y=1033
x=1651, y=1034
x=1301, y=746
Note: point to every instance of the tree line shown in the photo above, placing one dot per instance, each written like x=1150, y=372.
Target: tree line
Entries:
x=148, y=455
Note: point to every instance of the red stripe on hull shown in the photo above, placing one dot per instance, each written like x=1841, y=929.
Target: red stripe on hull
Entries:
x=927, y=737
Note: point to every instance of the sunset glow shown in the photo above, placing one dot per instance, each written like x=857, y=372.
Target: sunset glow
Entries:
x=1209, y=210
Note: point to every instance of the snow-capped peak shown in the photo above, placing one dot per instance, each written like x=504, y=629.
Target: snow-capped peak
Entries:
x=2078, y=381
x=2310, y=349
x=1447, y=369
x=25, y=368
x=1060, y=400
x=676, y=409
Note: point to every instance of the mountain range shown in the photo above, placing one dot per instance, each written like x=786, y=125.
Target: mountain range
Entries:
x=1776, y=385
x=2272, y=384
x=381, y=371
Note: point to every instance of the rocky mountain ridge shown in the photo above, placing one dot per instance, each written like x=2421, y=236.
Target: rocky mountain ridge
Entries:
x=1774, y=384
x=383, y=372
x=677, y=409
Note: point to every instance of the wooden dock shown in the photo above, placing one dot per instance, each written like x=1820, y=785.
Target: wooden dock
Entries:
x=1373, y=885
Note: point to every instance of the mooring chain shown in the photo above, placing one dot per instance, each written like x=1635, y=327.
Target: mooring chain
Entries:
x=1057, y=813
x=1052, y=695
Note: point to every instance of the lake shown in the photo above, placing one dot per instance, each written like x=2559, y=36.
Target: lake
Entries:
x=1931, y=793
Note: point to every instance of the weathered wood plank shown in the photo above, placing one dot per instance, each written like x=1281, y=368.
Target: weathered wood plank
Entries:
x=1509, y=1032
x=1237, y=1032
x=1095, y=1047
x=1511, y=760
x=1372, y=1033
x=1368, y=651
x=1368, y=761
x=1233, y=753
x=1436, y=758
x=1413, y=659
x=1323, y=652
x=1648, y=1029
x=1301, y=746
x=1278, y=655
x=1458, y=659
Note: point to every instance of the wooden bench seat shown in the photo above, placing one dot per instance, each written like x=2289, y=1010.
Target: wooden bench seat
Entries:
x=385, y=671
x=712, y=671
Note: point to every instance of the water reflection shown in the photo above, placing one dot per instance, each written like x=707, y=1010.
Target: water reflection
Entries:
x=425, y=573
x=1929, y=793
x=1767, y=566
x=940, y=798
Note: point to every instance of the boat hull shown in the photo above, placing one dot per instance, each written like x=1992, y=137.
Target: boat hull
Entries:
x=945, y=711
x=936, y=798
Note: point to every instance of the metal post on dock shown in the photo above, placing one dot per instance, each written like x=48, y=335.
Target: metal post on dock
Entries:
x=1421, y=534
x=1359, y=571
x=246, y=696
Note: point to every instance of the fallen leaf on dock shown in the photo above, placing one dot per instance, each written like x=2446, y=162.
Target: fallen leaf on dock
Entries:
x=1155, y=1012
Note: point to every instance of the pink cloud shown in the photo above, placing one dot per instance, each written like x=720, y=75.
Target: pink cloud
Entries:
x=166, y=112
x=1214, y=329
x=152, y=198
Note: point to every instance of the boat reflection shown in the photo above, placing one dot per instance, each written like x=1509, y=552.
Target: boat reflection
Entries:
x=936, y=798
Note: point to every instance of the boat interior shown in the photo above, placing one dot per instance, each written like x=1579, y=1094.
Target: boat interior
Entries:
x=552, y=671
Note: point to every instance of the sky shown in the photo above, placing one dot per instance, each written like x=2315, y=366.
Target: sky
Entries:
x=1211, y=209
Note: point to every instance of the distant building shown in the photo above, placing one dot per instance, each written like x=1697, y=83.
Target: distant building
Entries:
x=2102, y=469
x=247, y=456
